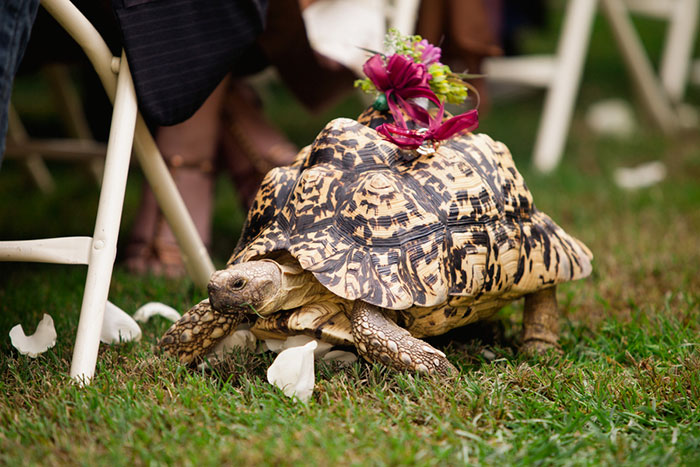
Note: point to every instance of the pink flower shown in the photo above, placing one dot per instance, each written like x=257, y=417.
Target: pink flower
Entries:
x=399, y=73
x=400, y=78
x=430, y=54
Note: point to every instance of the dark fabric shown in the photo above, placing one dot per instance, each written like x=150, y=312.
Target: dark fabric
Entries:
x=180, y=50
x=50, y=43
x=16, y=19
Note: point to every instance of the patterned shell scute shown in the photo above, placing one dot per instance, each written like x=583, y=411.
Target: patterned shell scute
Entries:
x=377, y=223
x=271, y=198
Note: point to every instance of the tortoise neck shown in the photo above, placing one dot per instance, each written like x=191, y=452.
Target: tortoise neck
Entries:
x=298, y=288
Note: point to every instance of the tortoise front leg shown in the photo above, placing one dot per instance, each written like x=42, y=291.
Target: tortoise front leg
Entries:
x=379, y=339
x=540, y=322
x=192, y=337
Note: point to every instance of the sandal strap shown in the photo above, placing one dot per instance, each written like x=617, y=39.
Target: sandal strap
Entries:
x=177, y=162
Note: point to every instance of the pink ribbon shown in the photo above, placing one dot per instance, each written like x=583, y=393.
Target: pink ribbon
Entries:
x=401, y=79
x=436, y=131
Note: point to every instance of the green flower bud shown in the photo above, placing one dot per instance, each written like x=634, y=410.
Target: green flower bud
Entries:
x=380, y=103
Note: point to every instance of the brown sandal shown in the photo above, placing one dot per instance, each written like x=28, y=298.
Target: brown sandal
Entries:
x=153, y=248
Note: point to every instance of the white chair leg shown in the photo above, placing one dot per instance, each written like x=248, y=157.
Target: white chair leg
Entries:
x=104, y=241
x=678, y=49
x=652, y=93
x=87, y=37
x=62, y=250
x=561, y=97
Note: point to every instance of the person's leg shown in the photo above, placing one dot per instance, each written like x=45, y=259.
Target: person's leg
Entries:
x=189, y=148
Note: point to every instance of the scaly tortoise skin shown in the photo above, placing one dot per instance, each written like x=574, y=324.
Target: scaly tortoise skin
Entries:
x=361, y=243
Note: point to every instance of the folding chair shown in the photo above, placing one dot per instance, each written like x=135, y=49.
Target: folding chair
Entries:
x=99, y=251
x=676, y=58
x=560, y=74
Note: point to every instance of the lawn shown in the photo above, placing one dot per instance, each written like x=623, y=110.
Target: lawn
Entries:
x=626, y=389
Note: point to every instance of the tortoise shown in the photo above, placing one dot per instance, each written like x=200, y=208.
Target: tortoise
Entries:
x=360, y=242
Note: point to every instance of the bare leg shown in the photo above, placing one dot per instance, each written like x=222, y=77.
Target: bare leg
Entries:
x=197, y=332
x=541, y=322
x=189, y=149
x=378, y=339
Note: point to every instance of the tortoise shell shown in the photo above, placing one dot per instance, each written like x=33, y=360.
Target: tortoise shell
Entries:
x=455, y=230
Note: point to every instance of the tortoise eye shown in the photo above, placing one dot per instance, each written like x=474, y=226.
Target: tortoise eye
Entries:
x=238, y=284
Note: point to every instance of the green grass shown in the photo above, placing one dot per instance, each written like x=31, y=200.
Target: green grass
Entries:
x=625, y=391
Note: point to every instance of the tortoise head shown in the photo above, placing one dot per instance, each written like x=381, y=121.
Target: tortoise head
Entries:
x=253, y=287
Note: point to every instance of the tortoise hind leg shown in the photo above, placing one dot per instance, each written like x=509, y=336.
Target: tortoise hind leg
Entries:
x=379, y=339
x=540, y=322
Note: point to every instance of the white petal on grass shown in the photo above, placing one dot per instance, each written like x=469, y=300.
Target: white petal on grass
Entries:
x=297, y=341
x=43, y=338
x=118, y=326
x=150, y=309
x=293, y=371
x=239, y=339
x=612, y=117
x=641, y=176
x=274, y=345
x=340, y=356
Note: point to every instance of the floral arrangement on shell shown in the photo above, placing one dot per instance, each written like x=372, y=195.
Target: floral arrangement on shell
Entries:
x=407, y=81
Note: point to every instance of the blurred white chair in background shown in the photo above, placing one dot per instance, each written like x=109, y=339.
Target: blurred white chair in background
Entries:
x=560, y=74
x=676, y=58
x=80, y=146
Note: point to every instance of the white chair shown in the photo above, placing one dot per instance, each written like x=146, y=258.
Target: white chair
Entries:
x=676, y=58
x=99, y=251
x=561, y=73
